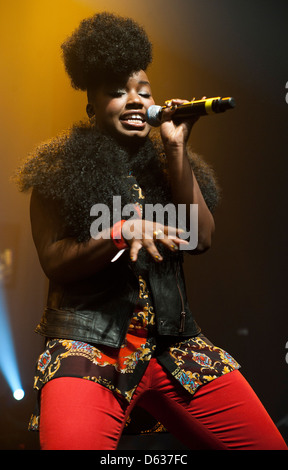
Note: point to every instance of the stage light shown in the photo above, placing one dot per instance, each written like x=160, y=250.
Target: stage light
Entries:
x=19, y=394
x=8, y=361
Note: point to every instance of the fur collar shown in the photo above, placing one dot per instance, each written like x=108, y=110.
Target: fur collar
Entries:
x=83, y=167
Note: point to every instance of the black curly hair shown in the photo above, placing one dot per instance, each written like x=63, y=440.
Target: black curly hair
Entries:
x=105, y=45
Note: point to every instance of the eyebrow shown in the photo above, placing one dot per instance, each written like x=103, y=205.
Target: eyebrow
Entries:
x=143, y=82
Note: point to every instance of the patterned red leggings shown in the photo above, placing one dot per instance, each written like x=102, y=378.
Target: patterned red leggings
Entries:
x=224, y=414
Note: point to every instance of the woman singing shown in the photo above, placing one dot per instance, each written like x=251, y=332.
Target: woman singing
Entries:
x=117, y=325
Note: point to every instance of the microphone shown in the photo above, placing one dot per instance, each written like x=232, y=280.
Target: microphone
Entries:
x=191, y=109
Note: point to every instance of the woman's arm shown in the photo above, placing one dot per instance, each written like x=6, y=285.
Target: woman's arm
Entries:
x=185, y=189
x=62, y=258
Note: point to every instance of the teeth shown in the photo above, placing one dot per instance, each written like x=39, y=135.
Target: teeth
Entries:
x=135, y=117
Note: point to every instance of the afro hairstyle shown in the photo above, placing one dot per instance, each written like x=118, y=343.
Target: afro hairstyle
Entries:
x=105, y=45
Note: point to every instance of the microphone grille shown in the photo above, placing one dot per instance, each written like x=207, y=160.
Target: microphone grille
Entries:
x=153, y=115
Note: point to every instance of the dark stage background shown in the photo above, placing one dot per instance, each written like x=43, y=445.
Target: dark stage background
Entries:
x=238, y=289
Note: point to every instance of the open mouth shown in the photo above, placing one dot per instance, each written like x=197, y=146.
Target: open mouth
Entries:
x=133, y=121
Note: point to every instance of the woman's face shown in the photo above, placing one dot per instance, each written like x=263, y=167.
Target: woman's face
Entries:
x=120, y=108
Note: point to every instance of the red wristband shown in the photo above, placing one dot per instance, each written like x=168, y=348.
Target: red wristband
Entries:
x=116, y=235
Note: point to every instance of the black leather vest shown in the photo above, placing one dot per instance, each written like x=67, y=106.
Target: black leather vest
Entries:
x=98, y=309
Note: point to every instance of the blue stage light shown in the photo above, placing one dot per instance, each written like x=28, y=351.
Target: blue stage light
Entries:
x=19, y=394
x=8, y=362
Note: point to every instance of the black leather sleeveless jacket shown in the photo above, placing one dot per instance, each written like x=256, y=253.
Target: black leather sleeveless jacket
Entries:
x=98, y=309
